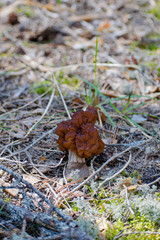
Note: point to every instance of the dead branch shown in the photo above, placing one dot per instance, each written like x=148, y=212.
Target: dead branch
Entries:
x=49, y=222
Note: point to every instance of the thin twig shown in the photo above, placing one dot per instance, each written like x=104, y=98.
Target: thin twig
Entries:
x=31, y=145
x=34, y=189
x=18, y=141
x=155, y=181
x=16, y=41
x=55, y=194
x=75, y=66
x=117, y=173
x=44, y=113
x=15, y=73
x=27, y=104
x=16, y=160
x=92, y=161
x=51, y=166
x=30, y=159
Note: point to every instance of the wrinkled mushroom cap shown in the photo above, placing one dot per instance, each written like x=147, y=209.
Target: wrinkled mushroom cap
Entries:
x=79, y=134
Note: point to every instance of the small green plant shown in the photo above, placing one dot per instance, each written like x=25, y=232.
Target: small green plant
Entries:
x=154, y=36
x=91, y=94
x=126, y=105
x=59, y=1
x=26, y=10
x=114, y=229
x=133, y=45
x=25, y=43
x=142, y=223
x=158, y=72
x=3, y=125
x=42, y=87
x=88, y=95
x=6, y=55
x=71, y=81
x=127, y=110
x=139, y=225
x=150, y=46
x=134, y=174
x=155, y=10
x=150, y=64
x=150, y=43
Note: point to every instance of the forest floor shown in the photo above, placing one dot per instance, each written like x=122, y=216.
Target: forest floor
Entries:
x=58, y=57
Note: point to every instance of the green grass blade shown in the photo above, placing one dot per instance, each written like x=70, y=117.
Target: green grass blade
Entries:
x=137, y=125
x=95, y=68
x=116, y=109
x=134, y=106
x=107, y=115
x=128, y=101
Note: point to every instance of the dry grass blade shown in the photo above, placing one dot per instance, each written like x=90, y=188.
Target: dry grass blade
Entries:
x=44, y=113
x=32, y=144
x=75, y=66
x=59, y=90
x=27, y=104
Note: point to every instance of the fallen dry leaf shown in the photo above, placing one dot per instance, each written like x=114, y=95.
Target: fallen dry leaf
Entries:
x=103, y=25
x=30, y=178
x=132, y=188
x=151, y=89
x=127, y=182
x=42, y=159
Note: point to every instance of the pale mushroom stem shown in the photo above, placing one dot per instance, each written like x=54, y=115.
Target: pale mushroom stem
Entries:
x=74, y=160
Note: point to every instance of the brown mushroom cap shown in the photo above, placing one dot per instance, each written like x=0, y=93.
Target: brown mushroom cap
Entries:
x=79, y=134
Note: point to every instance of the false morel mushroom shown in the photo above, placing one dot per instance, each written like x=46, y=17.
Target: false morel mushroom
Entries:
x=79, y=136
